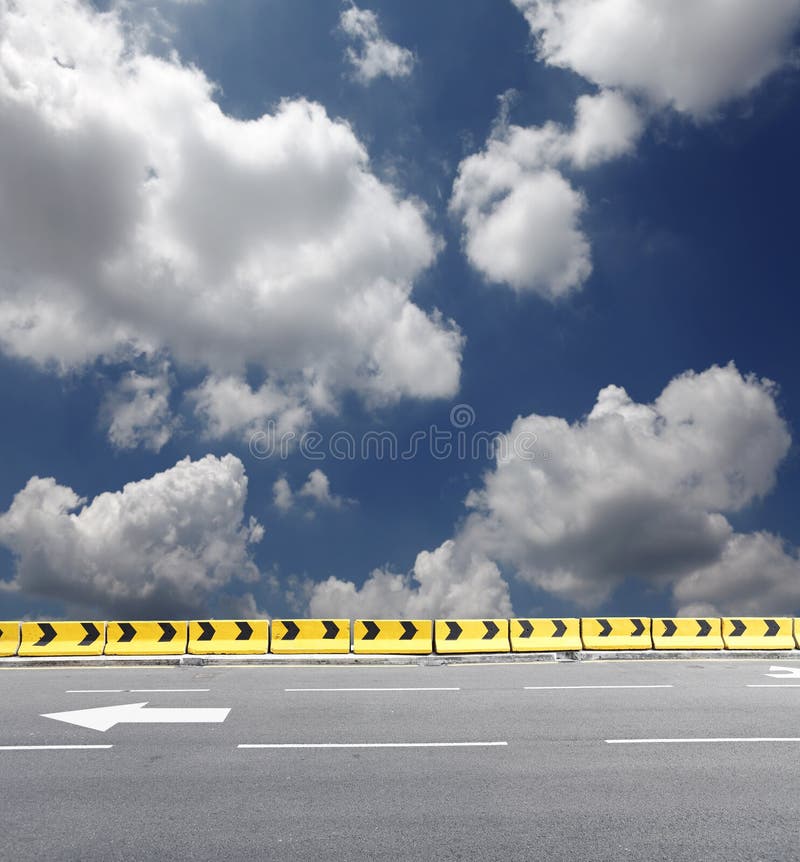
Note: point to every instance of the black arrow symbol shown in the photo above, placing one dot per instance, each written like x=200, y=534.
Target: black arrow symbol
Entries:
x=605, y=628
x=669, y=628
x=128, y=633
x=1, y=633
x=208, y=630
x=169, y=632
x=703, y=628
x=491, y=630
x=527, y=628
x=409, y=630
x=245, y=630
x=331, y=629
x=292, y=630
x=48, y=634
x=92, y=634
x=738, y=628
x=372, y=630
x=638, y=626
x=772, y=628
x=560, y=628
x=455, y=630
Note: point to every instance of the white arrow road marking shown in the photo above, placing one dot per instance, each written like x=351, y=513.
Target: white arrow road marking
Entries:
x=785, y=672
x=105, y=717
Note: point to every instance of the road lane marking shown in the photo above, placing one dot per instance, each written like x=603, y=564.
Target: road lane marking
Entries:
x=709, y=739
x=773, y=685
x=149, y=690
x=374, y=689
x=559, y=687
x=130, y=690
x=50, y=747
x=95, y=690
x=372, y=745
x=103, y=718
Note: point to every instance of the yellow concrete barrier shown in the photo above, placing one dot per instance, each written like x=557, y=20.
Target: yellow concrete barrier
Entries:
x=606, y=633
x=687, y=633
x=9, y=638
x=146, y=637
x=62, y=638
x=797, y=631
x=310, y=636
x=408, y=637
x=464, y=636
x=757, y=633
x=545, y=634
x=228, y=637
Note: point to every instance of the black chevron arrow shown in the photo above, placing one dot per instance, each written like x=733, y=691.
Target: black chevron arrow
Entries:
x=738, y=628
x=331, y=629
x=92, y=634
x=128, y=633
x=491, y=629
x=669, y=628
x=245, y=630
x=409, y=630
x=605, y=628
x=48, y=634
x=169, y=632
x=1, y=633
x=208, y=630
x=703, y=628
x=638, y=626
x=560, y=628
x=455, y=630
x=292, y=630
x=373, y=630
x=527, y=628
x=772, y=628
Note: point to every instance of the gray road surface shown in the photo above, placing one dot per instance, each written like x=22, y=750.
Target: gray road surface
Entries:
x=555, y=790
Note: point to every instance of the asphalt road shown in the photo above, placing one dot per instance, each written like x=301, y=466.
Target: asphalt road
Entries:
x=548, y=786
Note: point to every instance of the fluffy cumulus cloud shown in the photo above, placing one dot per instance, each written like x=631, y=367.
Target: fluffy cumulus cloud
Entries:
x=137, y=411
x=375, y=55
x=164, y=545
x=693, y=57
x=450, y=581
x=631, y=491
x=136, y=218
x=317, y=488
x=521, y=215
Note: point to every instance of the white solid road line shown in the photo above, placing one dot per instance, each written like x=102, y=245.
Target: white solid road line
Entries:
x=773, y=685
x=560, y=687
x=50, y=747
x=372, y=689
x=372, y=745
x=150, y=690
x=130, y=690
x=95, y=690
x=709, y=739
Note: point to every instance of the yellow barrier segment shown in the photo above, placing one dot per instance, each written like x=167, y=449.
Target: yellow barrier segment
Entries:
x=145, y=637
x=606, y=633
x=687, y=633
x=62, y=638
x=228, y=637
x=463, y=636
x=310, y=636
x=408, y=637
x=797, y=631
x=9, y=638
x=545, y=634
x=757, y=633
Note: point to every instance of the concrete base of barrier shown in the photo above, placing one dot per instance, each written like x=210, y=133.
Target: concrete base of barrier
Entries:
x=431, y=660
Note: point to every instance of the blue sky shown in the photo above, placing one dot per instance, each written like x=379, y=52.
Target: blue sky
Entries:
x=215, y=222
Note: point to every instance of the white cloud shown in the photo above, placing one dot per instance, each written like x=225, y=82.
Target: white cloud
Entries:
x=317, y=488
x=138, y=413
x=283, y=497
x=136, y=217
x=521, y=216
x=161, y=546
x=692, y=56
x=756, y=575
x=376, y=55
x=449, y=581
x=631, y=491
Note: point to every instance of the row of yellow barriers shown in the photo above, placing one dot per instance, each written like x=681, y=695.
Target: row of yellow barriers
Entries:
x=411, y=637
